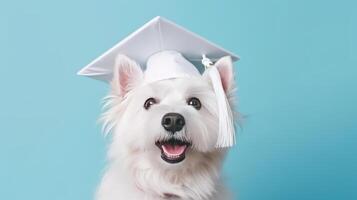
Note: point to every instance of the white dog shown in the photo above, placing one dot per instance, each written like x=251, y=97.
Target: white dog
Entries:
x=163, y=136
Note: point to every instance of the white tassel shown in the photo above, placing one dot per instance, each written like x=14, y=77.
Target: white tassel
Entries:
x=226, y=134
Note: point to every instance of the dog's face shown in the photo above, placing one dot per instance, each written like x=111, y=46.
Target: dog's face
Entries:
x=171, y=123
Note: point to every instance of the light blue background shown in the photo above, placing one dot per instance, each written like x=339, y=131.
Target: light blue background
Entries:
x=297, y=84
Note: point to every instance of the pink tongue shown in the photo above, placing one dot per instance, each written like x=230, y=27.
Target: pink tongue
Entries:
x=173, y=150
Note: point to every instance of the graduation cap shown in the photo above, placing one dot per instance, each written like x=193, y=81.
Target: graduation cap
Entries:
x=166, y=50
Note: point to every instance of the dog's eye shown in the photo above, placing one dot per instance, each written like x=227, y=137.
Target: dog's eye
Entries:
x=149, y=102
x=195, y=102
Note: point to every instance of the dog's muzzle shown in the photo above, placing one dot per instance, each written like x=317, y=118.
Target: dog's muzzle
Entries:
x=173, y=150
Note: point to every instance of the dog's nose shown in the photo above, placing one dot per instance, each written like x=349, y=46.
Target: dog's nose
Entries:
x=173, y=122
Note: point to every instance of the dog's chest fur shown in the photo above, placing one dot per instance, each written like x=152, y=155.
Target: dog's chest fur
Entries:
x=136, y=184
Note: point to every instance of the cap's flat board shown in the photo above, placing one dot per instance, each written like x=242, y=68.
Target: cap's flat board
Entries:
x=157, y=35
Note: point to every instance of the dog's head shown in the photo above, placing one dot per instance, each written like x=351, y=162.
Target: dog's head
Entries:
x=165, y=122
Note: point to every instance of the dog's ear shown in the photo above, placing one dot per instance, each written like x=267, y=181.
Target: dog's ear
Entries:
x=126, y=75
x=225, y=68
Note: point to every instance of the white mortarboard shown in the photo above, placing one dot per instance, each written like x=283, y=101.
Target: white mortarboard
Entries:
x=166, y=50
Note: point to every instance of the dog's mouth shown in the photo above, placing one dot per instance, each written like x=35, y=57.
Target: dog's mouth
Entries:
x=173, y=150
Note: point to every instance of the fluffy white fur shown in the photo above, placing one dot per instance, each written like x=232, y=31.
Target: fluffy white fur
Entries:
x=135, y=169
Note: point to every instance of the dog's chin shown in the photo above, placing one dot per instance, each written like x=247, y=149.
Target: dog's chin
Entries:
x=173, y=150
